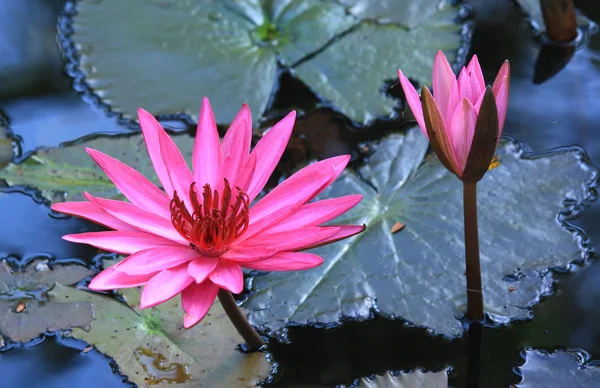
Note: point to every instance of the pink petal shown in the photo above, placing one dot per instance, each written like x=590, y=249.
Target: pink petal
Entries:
x=316, y=213
x=200, y=268
x=165, y=285
x=414, y=102
x=502, y=104
x=236, y=145
x=268, y=152
x=462, y=129
x=138, y=218
x=293, y=240
x=286, y=261
x=134, y=186
x=228, y=275
x=474, y=70
x=110, y=279
x=156, y=259
x=120, y=242
x=293, y=193
x=244, y=178
x=344, y=231
x=206, y=157
x=151, y=129
x=464, y=86
x=179, y=173
x=242, y=254
x=91, y=212
x=196, y=300
x=443, y=80
x=453, y=102
x=503, y=72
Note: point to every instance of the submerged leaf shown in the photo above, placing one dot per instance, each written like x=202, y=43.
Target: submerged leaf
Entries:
x=229, y=51
x=418, y=273
x=556, y=370
x=65, y=173
x=151, y=346
x=26, y=311
x=415, y=379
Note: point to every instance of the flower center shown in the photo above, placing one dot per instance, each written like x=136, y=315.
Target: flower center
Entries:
x=215, y=222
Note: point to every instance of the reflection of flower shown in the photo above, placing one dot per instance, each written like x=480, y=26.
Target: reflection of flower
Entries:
x=194, y=237
x=462, y=125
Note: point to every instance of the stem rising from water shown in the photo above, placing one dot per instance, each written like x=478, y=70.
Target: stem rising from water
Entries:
x=237, y=317
x=474, y=293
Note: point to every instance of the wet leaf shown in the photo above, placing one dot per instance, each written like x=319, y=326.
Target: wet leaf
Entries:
x=6, y=146
x=38, y=317
x=418, y=274
x=351, y=71
x=38, y=276
x=228, y=50
x=151, y=346
x=416, y=379
x=25, y=309
x=406, y=13
x=65, y=173
x=556, y=370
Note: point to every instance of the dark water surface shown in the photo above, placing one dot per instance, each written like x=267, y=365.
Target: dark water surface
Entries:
x=562, y=111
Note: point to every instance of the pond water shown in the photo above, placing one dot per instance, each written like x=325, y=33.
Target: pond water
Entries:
x=562, y=111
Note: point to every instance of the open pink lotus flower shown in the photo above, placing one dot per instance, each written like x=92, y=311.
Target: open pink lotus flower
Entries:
x=459, y=122
x=195, y=236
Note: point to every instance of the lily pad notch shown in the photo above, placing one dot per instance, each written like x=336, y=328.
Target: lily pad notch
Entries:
x=410, y=276
x=270, y=39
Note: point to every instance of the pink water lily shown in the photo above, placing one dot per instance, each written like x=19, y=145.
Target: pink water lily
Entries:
x=194, y=236
x=454, y=111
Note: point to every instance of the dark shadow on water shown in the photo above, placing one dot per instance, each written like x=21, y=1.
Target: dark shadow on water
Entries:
x=56, y=362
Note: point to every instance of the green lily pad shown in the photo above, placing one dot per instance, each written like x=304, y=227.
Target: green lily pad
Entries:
x=230, y=51
x=151, y=347
x=557, y=370
x=406, y=13
x=352, y=70
x=27, y=311
x=415, y=379
x=6, y=146
x=418, y=273
x=64, y=173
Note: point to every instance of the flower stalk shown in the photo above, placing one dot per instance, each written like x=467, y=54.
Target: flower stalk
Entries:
x=560, y=19
x=474, y=291
x=237, y=317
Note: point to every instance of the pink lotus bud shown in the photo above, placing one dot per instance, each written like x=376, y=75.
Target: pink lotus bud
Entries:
x=463, y=119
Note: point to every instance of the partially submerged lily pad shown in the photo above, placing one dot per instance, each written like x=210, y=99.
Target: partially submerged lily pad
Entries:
x=557, y=370
x=64, y=173
x=151, y=346
x=26, y=309
x=230, y=51
x=415, y=379
x=418, y=273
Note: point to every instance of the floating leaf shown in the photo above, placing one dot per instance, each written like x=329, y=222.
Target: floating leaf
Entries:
x=38, y=276
x=406, y=13
x=27, y=312
x=6, y=146
x=151, y=346
x=229, y=50
x=418, y=273
x=557, y=370
x=416, y=379
x=65, y=173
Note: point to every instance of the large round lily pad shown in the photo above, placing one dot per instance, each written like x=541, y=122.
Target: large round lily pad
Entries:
x=230, y=51
x=152, y=348
x=26, y=311
x=415, y=379
x=64, y=173
x=557, y=370
x=417, y=273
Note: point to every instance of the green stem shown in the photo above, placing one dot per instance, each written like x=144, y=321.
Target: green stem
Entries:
x=239, y=320
x=474, y=293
